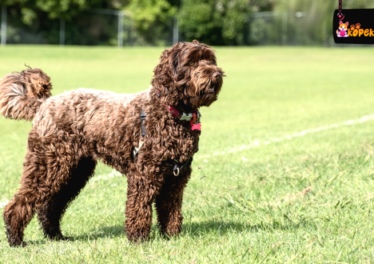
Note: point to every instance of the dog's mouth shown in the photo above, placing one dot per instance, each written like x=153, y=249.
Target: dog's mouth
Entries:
x=212, y=88
x=207, y=95
x=215, y=83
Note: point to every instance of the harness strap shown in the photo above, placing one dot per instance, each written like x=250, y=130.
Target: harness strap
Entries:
x=144, y=133
x=142, y=118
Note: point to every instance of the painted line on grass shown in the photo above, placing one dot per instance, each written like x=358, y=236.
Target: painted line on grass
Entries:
x=3, y=203
x=258, y=143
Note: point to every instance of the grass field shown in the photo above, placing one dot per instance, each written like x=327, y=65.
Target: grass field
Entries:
x=305, y=199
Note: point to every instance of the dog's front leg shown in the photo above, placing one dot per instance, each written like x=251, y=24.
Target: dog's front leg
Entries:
x=169, y=203
x=140, y=195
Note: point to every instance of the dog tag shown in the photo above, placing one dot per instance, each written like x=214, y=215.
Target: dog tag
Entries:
x=195, y=122
x=196, y=127
x=353, y=26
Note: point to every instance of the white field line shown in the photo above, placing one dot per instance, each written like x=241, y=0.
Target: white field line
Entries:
x=258, y=143
x=3, y=203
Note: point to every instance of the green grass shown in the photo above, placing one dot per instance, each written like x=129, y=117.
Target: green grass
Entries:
x=305, y=200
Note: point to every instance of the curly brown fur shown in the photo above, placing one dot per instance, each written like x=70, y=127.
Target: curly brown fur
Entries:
x=74, y=130
x=21, y=94
x=51, y=212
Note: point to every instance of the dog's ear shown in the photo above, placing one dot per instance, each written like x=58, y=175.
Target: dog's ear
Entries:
x=167, y=70
x=174, y=57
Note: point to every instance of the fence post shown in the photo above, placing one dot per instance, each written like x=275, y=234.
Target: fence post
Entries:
x=284, y=27
x=129, y=34
x=175, y=31
x=62, y=32
x=120, y=29
x=3, y=25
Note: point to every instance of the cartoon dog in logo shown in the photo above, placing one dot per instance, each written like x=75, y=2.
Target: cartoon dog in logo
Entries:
x=341, y=32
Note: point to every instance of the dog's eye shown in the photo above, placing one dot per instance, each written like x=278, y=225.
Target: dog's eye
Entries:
x=192, y=63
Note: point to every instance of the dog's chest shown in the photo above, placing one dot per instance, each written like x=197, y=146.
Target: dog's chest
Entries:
x=174, y=140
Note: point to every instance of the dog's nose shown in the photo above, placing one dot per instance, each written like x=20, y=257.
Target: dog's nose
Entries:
x=216, y=75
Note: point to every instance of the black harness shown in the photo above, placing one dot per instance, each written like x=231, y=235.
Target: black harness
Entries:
x=142, y=118
x=177, y=166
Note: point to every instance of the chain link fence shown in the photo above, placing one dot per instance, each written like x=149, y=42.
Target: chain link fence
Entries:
x=114, y=28
x=95, y=27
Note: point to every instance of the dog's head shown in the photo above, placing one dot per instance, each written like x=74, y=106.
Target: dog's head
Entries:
x=188, y=76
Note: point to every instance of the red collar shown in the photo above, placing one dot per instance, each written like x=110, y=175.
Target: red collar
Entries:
x=193, y=117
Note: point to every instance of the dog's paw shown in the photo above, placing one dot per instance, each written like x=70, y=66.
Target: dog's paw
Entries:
x=21, y=244
x=60, y=238
x=137, y=238
x=65, y=238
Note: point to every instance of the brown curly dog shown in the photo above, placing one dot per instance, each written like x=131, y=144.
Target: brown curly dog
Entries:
x=150, y=137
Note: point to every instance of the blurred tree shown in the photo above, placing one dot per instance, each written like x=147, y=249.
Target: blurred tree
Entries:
x=219, y=22
x=216, y=22
x=152, y=19
x=31, y=9
x=42, y=18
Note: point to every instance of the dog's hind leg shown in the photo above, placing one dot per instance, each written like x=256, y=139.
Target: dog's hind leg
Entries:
x=47, y=168
x=19, y=211
x=169, y=203
x=51, y=212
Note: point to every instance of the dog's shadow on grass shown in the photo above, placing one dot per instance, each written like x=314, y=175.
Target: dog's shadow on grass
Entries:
x=103, y=232
x=194, y=229
x=200, y=228
x=188, y=229
x=225, y=227
x=213, y=226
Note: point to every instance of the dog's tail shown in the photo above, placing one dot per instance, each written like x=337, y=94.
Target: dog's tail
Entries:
x=21, y=94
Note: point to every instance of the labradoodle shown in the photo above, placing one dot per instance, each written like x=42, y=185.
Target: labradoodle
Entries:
x=150, y=137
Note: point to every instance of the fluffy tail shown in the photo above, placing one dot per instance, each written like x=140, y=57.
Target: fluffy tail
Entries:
x=21, y=94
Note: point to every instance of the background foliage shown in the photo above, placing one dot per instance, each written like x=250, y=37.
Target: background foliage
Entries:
x=150, y=22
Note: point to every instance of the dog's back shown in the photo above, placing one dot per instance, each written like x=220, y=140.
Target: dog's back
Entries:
x=85, y=112
x=26, y=95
